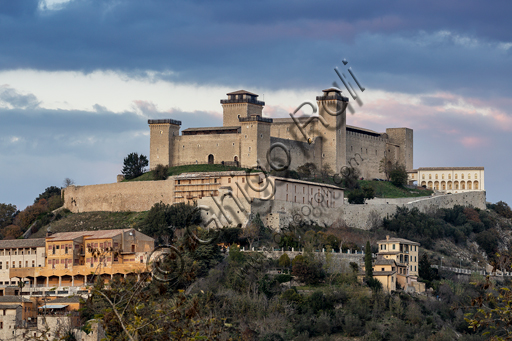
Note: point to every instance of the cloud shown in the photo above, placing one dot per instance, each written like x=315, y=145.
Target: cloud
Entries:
x=17, y=100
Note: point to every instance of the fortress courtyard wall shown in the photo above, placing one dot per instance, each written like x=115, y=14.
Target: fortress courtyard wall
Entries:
x=366, y=150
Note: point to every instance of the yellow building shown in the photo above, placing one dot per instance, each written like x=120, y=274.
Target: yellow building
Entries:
x=404, y=252
x=73, y=259
x=448, y=179
x=385, y=270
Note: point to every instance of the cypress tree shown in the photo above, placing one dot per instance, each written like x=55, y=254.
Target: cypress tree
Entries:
x=368, y=261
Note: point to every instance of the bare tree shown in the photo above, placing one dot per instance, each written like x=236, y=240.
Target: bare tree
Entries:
x=68, y=182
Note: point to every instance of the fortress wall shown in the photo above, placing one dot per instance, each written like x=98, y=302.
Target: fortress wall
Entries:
x=300, y=152
x=134, y=196
x=277, y=214
x=189, y=148
x=370, y=148
x=285, y=128
x=357, y=215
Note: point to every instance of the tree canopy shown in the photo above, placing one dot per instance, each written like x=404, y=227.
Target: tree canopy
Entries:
x=134, y=165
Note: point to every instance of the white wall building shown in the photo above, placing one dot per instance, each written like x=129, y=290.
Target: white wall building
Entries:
x=448, y=179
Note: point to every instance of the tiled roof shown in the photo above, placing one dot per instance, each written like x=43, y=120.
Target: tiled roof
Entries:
x=383, y=273
x=398, y=240
x=20, y=243
x=241, y=92
x=88, y=234
x=70, y=299
x=9, y=306
x=384, y=261
x=13, y=299
x=449, y=168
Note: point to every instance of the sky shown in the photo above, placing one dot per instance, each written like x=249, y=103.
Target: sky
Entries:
x=79, y=79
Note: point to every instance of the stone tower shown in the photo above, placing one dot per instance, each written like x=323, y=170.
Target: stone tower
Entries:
x=254, y=140
x=332, y=107
x=402, y=138
x=240, y=104
x=162, y=134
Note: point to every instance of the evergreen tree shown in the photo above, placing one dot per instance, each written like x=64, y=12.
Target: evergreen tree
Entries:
x=134, y=165
x=368, y=261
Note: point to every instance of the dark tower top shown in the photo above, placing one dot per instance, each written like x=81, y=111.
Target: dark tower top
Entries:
x=242, y=96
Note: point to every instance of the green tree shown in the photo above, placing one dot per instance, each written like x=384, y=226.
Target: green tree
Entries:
x=7, y=214
x=134, y=165
x=48, y=193
x=350, y=177
x=284, y=261
x=160, y=172
x=425, y=269
x=163, y=220
x=368, y=265
x=360, y=195
x=307, y=170
x=398, y=175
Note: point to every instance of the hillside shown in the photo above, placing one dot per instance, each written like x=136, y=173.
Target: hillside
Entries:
x=71, y=222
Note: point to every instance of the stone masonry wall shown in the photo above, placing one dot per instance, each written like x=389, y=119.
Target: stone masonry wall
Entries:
x=125, y=196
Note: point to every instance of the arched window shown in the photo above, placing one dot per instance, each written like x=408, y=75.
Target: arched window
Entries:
x=469, y=176
x=476, y=176
x=462, y=176
x=442, y=176
x=449, y=185
x=423, y=176
x=455, y=176
x=462, y=185
x=476, y=184
x=436, y=185
x=469, y=185
x=456, y=184
x=436, y=176
x=430, y=176
x=443, y=185
x=449, y=176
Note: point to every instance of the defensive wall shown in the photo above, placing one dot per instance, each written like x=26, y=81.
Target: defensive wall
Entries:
x=133, y=196
x=276, y=213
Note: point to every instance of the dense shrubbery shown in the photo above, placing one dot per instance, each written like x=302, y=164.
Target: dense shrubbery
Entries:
x=458, y=224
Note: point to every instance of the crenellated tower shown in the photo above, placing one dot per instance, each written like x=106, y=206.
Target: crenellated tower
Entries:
x=240, y=104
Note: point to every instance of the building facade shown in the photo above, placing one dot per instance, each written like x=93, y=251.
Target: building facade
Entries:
x=449, y=179
x=73, y=259
x=246, y=137
x=20, y=253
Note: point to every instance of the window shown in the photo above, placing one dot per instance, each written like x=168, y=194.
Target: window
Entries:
x=449, y=176
x=430, y=176
x=476, y=176
x=229, y=180
x=469, y=176
x=33, y=263
x=456, y=176
x=26, y=263
x=393, y=246
x=382, y=269
x=243, y=180
x=442, y=176
x=66, y=251
x=436, y=176
x=462, y=176
x=423, y=176
x=0, y=265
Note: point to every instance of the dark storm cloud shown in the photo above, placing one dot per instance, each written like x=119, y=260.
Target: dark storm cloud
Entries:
x=272, y=44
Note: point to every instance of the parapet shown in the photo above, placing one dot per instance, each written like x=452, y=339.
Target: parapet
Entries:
x=162, y=121
x=255, y=118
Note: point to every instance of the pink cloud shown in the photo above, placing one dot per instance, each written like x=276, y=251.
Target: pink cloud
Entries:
x=473, y=142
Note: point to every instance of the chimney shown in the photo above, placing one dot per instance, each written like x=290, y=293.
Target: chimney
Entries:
x=48, y=234
x=387, y=237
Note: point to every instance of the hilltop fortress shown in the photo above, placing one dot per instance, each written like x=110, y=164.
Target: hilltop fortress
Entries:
x=249, y=140
x=246, y=136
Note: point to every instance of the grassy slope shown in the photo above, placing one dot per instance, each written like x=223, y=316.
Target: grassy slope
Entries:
x=89, y=221
x=385, y=189
x=189, y=169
